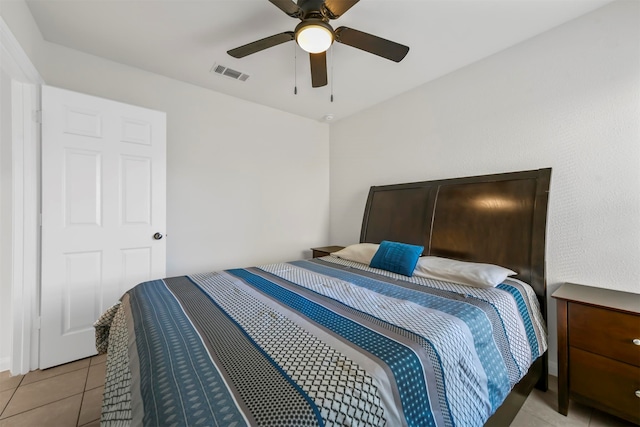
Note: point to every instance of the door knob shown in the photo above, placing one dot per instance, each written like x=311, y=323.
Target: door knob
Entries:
x=157, y=236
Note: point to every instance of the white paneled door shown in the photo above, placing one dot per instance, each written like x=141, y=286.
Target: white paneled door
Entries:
x=103, y=213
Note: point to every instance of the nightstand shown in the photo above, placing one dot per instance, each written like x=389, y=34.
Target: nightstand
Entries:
x=325, y=250
x=599, y=349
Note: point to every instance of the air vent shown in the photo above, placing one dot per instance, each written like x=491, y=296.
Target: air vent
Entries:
x=225, y=71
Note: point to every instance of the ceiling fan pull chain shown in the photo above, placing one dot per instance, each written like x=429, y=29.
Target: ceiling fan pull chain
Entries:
x=331, y=74
x=295, y=70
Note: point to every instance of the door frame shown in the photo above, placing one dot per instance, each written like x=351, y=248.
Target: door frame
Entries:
x=25, y=193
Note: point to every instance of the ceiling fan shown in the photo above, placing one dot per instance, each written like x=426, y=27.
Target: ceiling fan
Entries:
x=315, y=35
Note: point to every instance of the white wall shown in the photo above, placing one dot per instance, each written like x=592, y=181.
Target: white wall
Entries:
x=6, y=209
x=246, y=184
x=567, y=99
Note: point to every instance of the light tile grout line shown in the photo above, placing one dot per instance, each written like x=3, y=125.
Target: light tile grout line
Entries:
x=15, y=390
x=37, y=407
x=34, y=382
x=12, y=394
x=55, y=401
x=53, y=376
x=84, y=390
x=589, y=422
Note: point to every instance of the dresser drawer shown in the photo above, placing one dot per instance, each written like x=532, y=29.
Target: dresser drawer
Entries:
x=606, y=332
x=610, y=384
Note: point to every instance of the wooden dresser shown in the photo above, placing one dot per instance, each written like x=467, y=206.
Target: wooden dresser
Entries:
x=599, y=350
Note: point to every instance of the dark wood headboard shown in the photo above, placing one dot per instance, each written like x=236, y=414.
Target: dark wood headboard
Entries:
x=497, y=219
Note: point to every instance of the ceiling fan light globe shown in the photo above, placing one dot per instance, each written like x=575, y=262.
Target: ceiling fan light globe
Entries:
x=314, y=38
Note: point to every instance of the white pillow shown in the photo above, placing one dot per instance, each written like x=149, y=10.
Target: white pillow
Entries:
x=360, y=252
x=467, y=273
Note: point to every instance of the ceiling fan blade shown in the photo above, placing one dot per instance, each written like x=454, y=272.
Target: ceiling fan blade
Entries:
x=372, y=44
x=339, y=7
x=318, y=69
x=288, y=7
x=262, y=44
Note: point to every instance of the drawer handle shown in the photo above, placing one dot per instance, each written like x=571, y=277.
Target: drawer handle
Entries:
x=637, y=393
x=636, y=341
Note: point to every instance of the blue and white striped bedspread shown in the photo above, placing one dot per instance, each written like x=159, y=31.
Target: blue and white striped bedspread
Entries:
x=325, y=342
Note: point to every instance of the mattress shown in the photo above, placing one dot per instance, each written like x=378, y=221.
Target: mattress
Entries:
x=315, y=342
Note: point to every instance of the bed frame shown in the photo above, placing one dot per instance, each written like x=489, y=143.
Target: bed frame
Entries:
x=497, y=219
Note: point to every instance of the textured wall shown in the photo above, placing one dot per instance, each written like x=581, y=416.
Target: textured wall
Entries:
x=243, y=187
x=6, y=209
x=567, y=99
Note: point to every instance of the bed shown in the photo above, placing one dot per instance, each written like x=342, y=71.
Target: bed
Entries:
x=333, y=341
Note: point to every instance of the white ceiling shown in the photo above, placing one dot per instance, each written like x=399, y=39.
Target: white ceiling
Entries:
x=183, y=39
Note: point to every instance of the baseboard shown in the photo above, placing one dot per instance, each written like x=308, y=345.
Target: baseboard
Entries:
x=553, y=368
x=5, y=364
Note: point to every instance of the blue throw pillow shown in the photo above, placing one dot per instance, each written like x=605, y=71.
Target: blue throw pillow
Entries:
x=397, y=257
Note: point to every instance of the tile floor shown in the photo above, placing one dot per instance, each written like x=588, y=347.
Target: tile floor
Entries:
x=71, y=395
x=66, y=395
x=541, y=410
